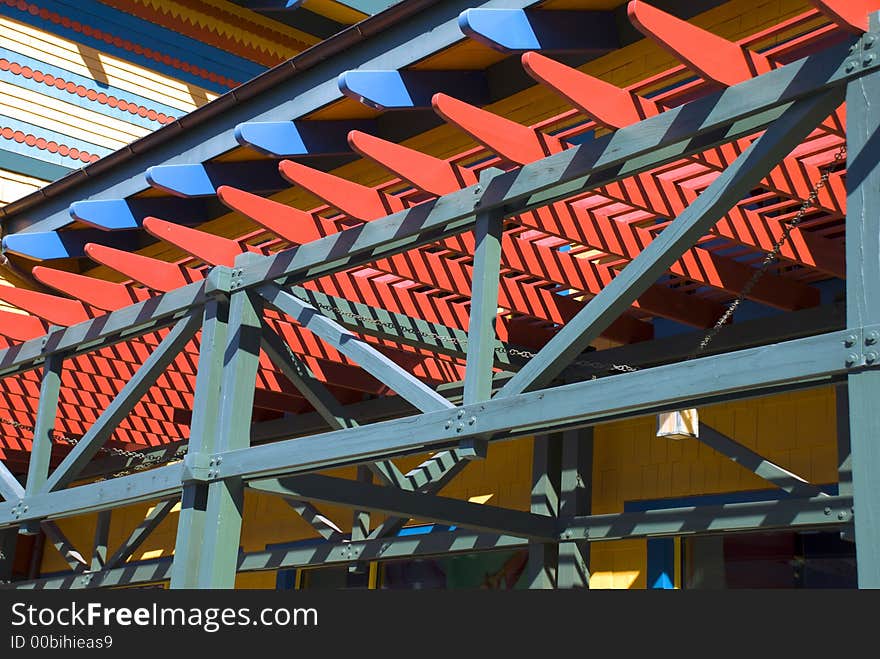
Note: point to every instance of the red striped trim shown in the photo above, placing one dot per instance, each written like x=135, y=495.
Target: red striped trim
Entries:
x=45, y=145
x=83, y=92
x=106, y=37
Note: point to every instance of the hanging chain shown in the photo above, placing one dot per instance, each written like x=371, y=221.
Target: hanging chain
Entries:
x=773, y=255
x=143, y=461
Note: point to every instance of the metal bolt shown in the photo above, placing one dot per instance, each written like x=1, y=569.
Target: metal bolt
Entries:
x=472, y=420
x=25, y=509
x=850, y=65
x=850, y=340
x=872, y=337
x=827, y=510
x=869, y=40
x=841, y=515
x=460, y=427
x=211, y=462
x=851, y=359
x=448, y=424
x=478, y=189
x=211, y=474
x=868, y=58
x=871, y=357
x=460, y=413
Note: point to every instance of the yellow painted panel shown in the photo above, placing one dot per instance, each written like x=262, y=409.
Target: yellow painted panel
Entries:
x=464, y=55
x=14, y=186
x=335, y=11
x=99, y=66
x=344, y=108
x=618, y=565
x=264, y=580
x=67, y=118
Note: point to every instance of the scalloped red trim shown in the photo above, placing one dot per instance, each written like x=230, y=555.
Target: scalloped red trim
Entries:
x=84, y=92
x=47, y=145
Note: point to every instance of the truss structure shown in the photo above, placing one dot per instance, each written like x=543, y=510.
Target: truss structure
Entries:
x=472, y=288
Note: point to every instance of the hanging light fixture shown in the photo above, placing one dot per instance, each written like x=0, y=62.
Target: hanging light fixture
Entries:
x=681, y=424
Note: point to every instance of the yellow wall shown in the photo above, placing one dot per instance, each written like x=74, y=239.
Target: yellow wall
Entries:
x=796, y=431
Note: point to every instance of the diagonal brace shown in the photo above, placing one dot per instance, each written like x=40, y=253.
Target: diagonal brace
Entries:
x=71, y=556
x=323, y=525
x=374, y=362
x=444, y=510
x=124, y=402
x=152, y=519
x=731, y=186
x=10, y=488
x=758, y=465
x=324, y=402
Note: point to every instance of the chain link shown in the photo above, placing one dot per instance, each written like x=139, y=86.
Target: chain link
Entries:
x=390, y=325
x=773, y=255
x=144, y=461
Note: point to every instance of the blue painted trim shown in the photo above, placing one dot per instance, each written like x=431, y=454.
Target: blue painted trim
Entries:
x=198, y=180
x=153, y=33
x=284, y=139
x=22, y=164
x=395, y=90
x=185, y=180
x=51, y=136
x=107, y=214
x=148, y=34
x=49, y=245
x=368, y=7
x=518, y=30
x=661, y=563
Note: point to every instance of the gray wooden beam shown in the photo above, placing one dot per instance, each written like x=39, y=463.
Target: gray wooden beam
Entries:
x=202, y=439
x=47, y=411
x=374, y=362
x=10, y=488
x=99, y=546
x=753, y=372
x=863, y=308
x=575, y=500
x=786, y=513
x=757, y=464
x=224, y=504
x=484, y=304
x=64, y=547
x=316, y=487
x=322, y=525
x=131, y=544
x=324, y=402
x=541, y=569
